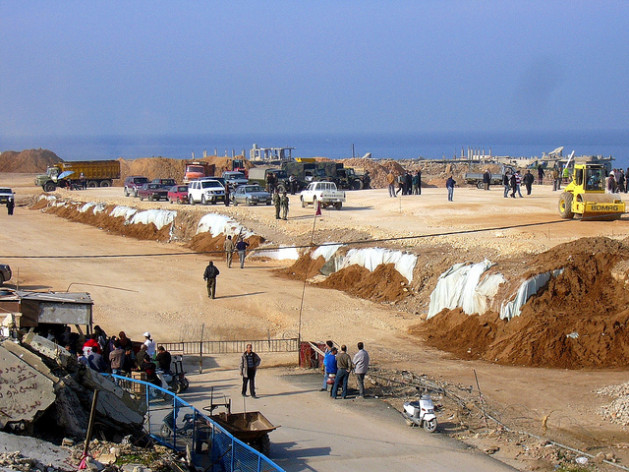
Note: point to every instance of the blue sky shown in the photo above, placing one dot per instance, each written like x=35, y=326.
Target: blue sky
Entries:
x=186, y=67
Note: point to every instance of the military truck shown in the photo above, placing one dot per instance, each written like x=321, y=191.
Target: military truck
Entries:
x=79, y=174
x=348, y=178
x=258, y=175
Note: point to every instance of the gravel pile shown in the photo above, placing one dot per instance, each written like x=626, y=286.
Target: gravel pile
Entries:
x=618, y=410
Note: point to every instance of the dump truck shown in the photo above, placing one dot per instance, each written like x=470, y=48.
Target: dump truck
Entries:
x=79, y=174
x=197, y=170
x=585, y=195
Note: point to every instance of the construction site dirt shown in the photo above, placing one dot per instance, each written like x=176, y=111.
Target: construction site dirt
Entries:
x=529, y=369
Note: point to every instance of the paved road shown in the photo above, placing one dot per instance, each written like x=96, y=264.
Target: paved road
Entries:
x=321, y=434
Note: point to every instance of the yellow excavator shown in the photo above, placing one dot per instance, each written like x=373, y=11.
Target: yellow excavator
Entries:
x=585, y=196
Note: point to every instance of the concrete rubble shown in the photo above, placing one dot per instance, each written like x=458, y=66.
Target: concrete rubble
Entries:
x=45, y=392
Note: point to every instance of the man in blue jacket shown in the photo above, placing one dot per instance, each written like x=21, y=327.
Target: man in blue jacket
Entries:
x=329, y=361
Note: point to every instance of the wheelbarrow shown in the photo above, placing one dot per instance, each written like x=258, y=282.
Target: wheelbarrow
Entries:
x=250, y=427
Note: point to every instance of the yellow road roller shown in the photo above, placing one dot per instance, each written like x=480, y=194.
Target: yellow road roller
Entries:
x=585, y=196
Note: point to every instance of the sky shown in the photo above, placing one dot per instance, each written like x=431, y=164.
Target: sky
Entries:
x=187, y=67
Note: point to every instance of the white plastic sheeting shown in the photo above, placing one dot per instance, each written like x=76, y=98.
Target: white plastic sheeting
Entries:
x=124, y=211
x=95, y=207
x=461, y=286
x=281, y=253
x=370, y=258
x=327, y=251
x=221, y=224
x=528, y=288
x=159, y=218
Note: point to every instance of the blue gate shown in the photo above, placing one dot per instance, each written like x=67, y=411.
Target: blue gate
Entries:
x=178, y=425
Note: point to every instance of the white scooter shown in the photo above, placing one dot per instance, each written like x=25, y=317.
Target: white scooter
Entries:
x=421, y=413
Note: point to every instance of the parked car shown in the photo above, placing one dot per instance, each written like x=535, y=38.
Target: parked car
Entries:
x=178, y=193
x=152, y=192
x=325, y=193
x=133, y=183
x=165, y=183
x=5, y=194
x=234, y=178
x=251, y=195
x=5, y=273
x=205, y=191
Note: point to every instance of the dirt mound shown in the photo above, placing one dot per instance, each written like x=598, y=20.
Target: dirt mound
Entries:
x=580, y=319
x=213, y=245
x=304, y=268
x=27, y=161
x=384, y=284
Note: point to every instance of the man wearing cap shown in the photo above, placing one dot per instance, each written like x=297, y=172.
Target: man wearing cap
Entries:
x=344, y=364
x=150, y=345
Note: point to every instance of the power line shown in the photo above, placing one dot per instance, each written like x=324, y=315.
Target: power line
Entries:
x=304, y=246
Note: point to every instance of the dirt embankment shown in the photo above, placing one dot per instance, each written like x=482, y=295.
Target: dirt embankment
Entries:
x=27, y=161
x=579, y=320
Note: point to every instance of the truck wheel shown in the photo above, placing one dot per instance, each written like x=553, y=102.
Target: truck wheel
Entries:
x=203, y=200
x=480, y=185
x=338, y=205
x=357, y=185
x=50, y=187
x=92, y=184
x=565, y=206
x=105, y=183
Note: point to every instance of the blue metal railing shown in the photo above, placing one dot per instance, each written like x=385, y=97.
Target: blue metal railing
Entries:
x=178, y=425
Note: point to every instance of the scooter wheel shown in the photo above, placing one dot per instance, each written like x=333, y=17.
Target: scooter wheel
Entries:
x=430, y=425
x=185, y=384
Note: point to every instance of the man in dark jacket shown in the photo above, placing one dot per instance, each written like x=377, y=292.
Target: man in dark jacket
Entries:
x=528, y=181
x=486, y=179
x=210, y=274
x=249, y=363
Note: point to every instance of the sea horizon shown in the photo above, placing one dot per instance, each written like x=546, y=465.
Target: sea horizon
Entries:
x=444, y=145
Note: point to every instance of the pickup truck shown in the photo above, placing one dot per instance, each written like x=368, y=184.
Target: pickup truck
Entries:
x=234, y=178
x=152, y=192
x=5, y=194
x=476, y=178
x=324, y=192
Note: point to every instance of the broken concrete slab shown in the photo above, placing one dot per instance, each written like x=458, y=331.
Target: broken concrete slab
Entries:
x=25, y=393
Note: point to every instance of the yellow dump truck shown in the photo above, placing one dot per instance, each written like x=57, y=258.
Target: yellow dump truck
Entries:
x=79, y=174
x=585, y=196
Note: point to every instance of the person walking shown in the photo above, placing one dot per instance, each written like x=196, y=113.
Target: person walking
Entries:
x=329, y=361
x=277, y=201
x=361, y=365
x=229, y=250
x=241, y=247
x=528, y=181
x=391, y=183
x=518, y=182
x=450, y=183
x=210, y=274
x=514, y=185
x=10, y=205
x=344, y=365
x=505, y=182
x=328, y=347
x=284, y=204
x=249, y=363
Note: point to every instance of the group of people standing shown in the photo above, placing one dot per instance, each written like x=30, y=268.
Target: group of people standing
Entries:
x=408, y=184
x=338, y=365
x=617, y=181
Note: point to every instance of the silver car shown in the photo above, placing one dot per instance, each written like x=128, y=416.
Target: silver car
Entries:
x=251, y=195
x=5, y=273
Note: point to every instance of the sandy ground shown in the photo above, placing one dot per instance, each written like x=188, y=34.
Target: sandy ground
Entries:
x=166, y=294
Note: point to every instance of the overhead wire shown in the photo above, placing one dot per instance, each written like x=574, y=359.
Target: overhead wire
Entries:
x=355, y=242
